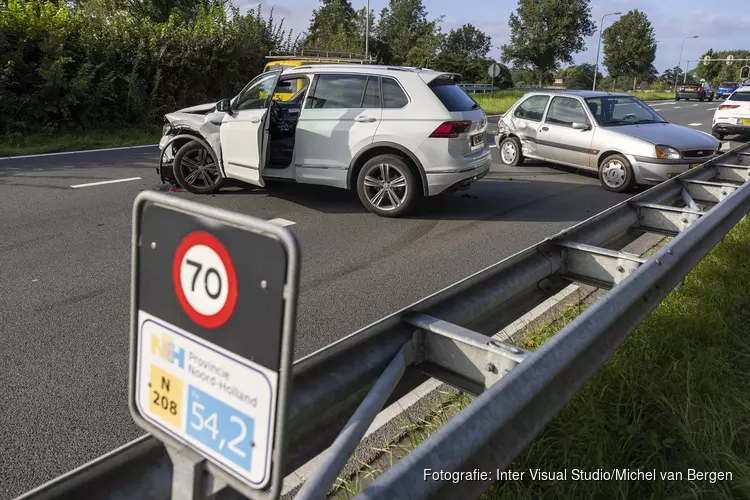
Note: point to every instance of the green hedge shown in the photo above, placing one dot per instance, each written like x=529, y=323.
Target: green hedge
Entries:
x=63, y=68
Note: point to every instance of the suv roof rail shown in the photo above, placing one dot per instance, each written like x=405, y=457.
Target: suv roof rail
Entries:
x=322, y=56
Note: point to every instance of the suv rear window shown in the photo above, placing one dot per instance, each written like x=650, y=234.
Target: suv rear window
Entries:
x=452, y=96
x=729, y=85
x=740, y=96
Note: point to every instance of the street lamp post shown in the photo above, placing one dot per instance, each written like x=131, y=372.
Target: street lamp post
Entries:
x=680, y=61
x=367, y=32
x=598, y=48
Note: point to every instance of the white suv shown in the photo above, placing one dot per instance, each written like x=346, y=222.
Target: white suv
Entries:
x=733, y=115
x=390, y=133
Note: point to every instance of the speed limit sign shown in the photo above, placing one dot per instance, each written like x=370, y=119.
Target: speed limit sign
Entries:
x=212, y=328
x=205, y=281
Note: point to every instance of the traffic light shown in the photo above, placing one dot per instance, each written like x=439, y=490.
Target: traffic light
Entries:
x=745, y=73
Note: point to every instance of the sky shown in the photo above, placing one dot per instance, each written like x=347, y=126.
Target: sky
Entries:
x=673, y=20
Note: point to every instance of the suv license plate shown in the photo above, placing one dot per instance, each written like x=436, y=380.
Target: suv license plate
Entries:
x=477, y=140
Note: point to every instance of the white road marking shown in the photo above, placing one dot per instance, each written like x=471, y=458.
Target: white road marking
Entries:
x=282, y=222
x=694, y=124
x=726, y=145
x=677, y=107
x=75, y=186
x=493, y=146
x=694, y=105
x=76, y=152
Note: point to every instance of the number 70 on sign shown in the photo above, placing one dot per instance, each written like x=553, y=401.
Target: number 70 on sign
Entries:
x=219, y=427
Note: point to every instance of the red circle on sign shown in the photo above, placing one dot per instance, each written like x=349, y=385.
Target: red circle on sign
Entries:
x=223, y=315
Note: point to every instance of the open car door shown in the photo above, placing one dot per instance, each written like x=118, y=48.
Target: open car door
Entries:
x=244, y=130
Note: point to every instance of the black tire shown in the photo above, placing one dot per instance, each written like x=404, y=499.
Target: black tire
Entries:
x=512, y=159
x=194, y=157
x=618, y=177
x=388, y=169
x=711, y=99
x=701, y=98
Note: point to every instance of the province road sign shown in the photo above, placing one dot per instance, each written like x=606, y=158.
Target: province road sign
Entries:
x=212, y=326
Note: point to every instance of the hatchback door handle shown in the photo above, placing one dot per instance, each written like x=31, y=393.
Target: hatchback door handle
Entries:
x=364, y=119
x=545, y=129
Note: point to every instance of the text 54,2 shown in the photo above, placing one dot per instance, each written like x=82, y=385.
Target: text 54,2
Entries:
x=221, y=428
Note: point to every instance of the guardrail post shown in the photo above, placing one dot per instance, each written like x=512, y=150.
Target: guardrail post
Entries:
x=338, y=454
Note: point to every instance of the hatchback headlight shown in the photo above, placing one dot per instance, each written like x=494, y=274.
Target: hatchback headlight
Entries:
x=665, y=152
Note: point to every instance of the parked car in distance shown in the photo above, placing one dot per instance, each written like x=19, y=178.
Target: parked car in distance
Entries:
x=616, y=135
x=726, y=88
x=733, y=116
x=701, y=91
x=390, y=134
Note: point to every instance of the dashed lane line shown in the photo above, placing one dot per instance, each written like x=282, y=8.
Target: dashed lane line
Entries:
x=282, y=222
x=101, y=183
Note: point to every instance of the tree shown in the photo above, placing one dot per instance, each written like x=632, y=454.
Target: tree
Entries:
x=523, y=77
x=334, y=27
x=579, y=77
x=468, y=40
x=545, y=33
x=672, y=73
x=410, y=38
x=630, y=47
x=717, y=72
x=464, y=51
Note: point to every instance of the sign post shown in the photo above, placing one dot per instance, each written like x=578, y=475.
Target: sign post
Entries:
x=494, y=71
x=213, y=312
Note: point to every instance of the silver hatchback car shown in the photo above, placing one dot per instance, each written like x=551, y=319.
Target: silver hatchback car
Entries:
x=616, y=135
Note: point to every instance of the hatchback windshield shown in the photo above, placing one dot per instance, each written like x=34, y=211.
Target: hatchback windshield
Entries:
x=610, y=111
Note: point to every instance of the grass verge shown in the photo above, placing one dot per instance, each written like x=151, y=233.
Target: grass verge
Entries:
x=411, y=435
x=27, y=144
x=499, y=102
x=674, y=397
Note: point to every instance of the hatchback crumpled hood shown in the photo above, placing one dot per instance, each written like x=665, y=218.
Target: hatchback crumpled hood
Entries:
x=669, y=134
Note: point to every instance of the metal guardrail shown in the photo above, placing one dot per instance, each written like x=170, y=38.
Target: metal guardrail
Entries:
x=479, y=88
x=518, y=392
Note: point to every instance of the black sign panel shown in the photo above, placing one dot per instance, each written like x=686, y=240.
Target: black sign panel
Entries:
x=254, y=325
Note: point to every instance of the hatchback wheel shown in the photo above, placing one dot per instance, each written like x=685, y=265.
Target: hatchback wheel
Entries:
x=387, y=186
x=616, y=174
x=510, y=152
x=195, y=169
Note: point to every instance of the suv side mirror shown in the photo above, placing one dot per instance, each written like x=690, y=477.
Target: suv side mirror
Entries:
x=581, y=126
x=224, y=106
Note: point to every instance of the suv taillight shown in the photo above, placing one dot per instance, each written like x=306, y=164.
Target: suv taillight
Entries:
x=450, y=130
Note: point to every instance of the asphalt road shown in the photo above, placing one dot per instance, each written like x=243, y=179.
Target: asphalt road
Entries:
x=65, y=259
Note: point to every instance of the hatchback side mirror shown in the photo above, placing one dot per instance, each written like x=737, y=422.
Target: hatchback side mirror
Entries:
x=581, y=126
x=224, y=106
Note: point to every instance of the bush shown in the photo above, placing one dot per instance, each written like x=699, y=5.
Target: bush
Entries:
x=659, y=86
x=64, y=68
